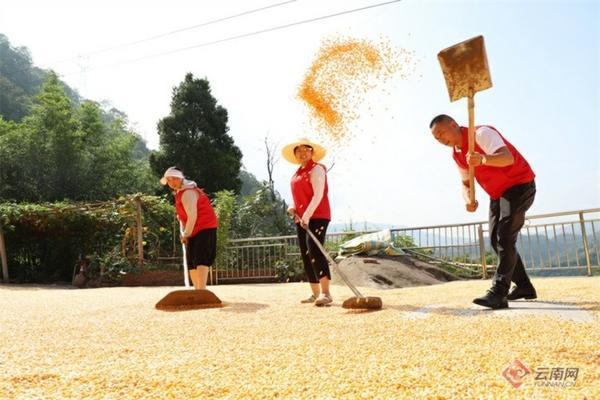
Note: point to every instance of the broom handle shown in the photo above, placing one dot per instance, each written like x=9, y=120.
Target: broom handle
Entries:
x=471, y=103
x=332, y=263
x=186, y=278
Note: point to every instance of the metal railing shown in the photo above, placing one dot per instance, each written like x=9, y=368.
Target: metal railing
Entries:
x=267, y=258
x=550, y=242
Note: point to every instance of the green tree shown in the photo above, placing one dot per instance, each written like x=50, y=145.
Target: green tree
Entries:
x=61, y=152
x=14, y=64
x=112, y=166
x=259, y=215
x=249, y=183
x=224, y=204
x=129, y=174
x=194, y=137
x=20, y=80
x=14, y=102
x=52, y=145
x=11, y=160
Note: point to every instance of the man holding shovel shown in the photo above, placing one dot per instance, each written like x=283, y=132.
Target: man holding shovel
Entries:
x=199, y=224
x=509, y=181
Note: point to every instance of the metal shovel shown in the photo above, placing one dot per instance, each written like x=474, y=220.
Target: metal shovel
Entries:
x=466, y=71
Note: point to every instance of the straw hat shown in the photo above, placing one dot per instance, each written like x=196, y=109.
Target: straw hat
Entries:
x=288, y=151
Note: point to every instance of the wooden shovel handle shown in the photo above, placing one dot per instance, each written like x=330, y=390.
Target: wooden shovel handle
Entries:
x=471, y=102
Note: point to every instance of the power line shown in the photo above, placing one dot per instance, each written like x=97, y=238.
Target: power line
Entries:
x=244, y=35
x=212, y=22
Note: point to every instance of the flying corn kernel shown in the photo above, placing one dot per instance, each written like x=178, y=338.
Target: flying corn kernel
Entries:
x=343, y=72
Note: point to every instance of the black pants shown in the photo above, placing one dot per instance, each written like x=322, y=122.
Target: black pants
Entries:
x=315, y=263
x=507, y=216
x=202, y=248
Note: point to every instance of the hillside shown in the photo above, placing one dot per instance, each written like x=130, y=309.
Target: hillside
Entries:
x=21, y=80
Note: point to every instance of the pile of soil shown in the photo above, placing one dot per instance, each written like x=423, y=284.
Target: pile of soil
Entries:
x=384, y=272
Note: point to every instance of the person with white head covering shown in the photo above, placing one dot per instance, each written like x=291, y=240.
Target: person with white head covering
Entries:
x=311, y=210
x=199, y=224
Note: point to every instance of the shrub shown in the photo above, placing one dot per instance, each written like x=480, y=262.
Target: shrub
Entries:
x=45, y=241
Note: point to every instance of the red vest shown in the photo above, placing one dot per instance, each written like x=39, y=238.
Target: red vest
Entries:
x=495, y=181
x=302, y=192
x=205, y=215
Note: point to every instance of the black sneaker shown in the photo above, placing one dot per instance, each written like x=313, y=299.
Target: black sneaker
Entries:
x=492, y=300
x=517, y=293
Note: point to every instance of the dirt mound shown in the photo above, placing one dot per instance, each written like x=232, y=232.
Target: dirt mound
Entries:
x=390, y=272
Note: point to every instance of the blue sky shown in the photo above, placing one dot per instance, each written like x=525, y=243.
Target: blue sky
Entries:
x=543, y=57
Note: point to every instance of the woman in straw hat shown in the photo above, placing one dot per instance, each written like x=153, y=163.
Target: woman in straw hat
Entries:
x=199, y=224
x=311, y=211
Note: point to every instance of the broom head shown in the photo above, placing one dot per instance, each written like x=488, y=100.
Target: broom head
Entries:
x=188, y=299
x=365, y=303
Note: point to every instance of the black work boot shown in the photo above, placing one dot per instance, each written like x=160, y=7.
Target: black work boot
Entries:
x=492, y=300
x=522, y=292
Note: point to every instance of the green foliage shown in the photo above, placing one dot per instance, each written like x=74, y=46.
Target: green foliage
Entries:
x=407, y=242
x=19, y=80
x=251, y=216
x=249, y=183
x=9, y=174
x=490, y=258
x=60, y=152
x=290, y=270
x=404, y=241
x=259, y=215
x=45, y=241
x=194, y=137
x=349, y=236
x=56, y=146
x=224, y=204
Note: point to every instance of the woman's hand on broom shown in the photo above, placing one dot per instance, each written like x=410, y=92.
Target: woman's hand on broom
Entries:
x=294, y=214
x=184, y=238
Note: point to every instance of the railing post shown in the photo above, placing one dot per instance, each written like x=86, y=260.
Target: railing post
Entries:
x=482, y=253
x=3, y=258
x=586, y=248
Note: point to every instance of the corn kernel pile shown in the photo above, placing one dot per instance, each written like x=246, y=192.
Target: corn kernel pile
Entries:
x=110, y=343
x=344, y=70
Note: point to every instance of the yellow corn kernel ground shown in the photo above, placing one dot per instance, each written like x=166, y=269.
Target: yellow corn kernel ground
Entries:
x=111, y=343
